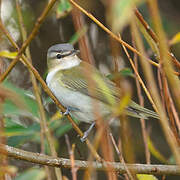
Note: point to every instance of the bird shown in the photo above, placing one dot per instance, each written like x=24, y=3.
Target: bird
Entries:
x=69, y=80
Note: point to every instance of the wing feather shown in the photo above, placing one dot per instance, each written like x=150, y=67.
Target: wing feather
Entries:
x=77, y=80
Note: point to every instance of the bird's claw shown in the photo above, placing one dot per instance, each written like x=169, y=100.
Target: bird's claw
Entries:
x=86, y=133
x=67, y=111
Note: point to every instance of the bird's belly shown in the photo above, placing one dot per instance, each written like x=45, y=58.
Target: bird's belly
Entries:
x=83, y=105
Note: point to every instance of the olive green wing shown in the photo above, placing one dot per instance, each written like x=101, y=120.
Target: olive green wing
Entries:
x=89, y=79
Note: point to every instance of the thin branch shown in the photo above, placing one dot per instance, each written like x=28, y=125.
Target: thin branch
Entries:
x=143, y=123
x=62, y=162
x=153, y=36
x=29, y=39
x=170, y=105
x=141, y=101
x=111, y=33
x=154, y=91
x=121, y=157
x=140, y=79
x=71, y=155
x=83, y=41
x=167, y=65
x=43, y=122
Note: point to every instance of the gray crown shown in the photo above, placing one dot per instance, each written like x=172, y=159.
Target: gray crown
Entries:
x=61, y=47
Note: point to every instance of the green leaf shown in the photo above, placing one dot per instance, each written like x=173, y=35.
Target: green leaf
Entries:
x=127, y=72
x=121, y=13
x=63, y=9
x=124, y=72
x=19, y=135
x=60, y=127
x=19, y=130
x=9, y=108
x=63, y=129
x=32, y=174
x=16, y=141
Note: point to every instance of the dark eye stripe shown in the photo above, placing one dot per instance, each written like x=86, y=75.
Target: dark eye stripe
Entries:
x=64, y=55
x=61, y=54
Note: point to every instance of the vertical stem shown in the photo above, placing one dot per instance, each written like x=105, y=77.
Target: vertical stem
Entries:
x=154, y=92
x=43, y=124
x=84, y=46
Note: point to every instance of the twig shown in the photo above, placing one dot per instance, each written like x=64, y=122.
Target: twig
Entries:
x=143, y=123
x=120, y=156
x=163, y=49
x=167, y=67
x=33, y=79
x=153, y=88
x=62, y=162
x=44, y=128
x=71, y=155
x=111, y=33
x=141, y=101
x=170, y=107
x=153, y=35
x=84, y=46
x=139, y=79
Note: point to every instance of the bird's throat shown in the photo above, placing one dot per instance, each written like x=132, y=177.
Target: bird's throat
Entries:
x=58, y=65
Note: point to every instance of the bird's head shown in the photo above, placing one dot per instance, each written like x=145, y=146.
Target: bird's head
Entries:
x=62, y=56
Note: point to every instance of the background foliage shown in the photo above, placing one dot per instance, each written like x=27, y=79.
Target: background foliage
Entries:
x=21, y=115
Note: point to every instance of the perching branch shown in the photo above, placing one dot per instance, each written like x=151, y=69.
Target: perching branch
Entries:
x=62, y=162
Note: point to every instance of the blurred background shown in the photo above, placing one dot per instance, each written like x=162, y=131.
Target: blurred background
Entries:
x=59, y=27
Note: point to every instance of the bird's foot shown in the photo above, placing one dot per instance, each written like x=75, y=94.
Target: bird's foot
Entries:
x=69, y=109
x=86, y=133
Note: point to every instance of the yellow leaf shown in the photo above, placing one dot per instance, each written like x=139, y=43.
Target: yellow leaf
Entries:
x=146, y=177
x=119, y=108
x=155, y=152
x=175, y=39
x=56, y=116
x=7, y=54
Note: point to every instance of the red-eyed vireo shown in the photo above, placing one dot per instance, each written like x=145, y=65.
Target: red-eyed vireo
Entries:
x=68, y=79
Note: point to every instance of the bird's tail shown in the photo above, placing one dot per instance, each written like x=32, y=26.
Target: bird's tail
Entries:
x=138, y=111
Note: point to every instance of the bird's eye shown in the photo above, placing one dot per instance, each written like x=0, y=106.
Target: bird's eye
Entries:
x=59, y=56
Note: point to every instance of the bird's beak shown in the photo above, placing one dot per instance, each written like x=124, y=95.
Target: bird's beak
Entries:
x=75, y=51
